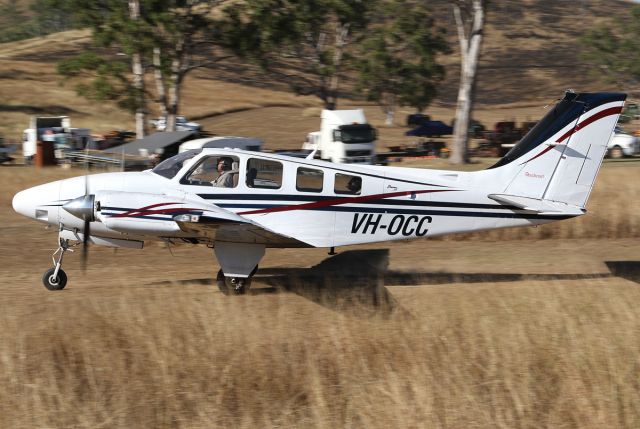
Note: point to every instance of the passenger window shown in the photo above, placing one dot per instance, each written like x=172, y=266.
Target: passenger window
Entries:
x=217, y=171
x=347, y=184
x=264, y=174
x=309, y=180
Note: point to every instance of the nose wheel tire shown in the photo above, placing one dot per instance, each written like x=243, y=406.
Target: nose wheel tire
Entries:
x=54, y=283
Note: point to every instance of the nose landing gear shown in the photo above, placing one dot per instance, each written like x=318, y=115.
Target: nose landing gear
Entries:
x=55, y=278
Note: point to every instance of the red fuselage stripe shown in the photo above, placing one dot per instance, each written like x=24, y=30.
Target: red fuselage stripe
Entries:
x=340, y=201
x=138, y=212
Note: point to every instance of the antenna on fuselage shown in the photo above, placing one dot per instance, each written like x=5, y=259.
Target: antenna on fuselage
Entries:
x=312, y=154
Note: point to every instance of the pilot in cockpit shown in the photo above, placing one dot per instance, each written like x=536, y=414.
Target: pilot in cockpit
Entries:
x=226, y=173
x=354, y=185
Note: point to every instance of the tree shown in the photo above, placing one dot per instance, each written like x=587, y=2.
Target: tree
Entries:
x=185, y=37
x=44, y=17
x=469, y=17
x=397, y=60
x=52, y=16
x=137, y=67
x=114, y=69
x=170, y=38
x=14, y=23
x=302, y=42
x=616, y=53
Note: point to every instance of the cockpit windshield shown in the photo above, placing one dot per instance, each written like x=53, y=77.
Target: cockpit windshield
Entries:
x=170, y=166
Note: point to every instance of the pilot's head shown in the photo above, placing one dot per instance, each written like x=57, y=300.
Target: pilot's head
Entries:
x=354, y=184
x=224, y=164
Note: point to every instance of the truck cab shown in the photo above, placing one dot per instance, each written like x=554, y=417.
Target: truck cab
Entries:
x=344, y=137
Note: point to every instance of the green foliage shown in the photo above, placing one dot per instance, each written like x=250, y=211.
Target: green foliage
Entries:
x=397, y=62
x=616, y=49
x=175, y=27
x=44, y=17
x=285, y=35
x=103, y=78
x=14, y=24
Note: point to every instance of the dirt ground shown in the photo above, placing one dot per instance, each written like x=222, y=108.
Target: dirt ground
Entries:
x=434, y=333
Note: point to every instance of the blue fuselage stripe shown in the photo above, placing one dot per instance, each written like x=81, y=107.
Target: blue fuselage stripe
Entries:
x=361, y=209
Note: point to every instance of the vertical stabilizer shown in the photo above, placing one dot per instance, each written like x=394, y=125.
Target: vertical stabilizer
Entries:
x=558, y=160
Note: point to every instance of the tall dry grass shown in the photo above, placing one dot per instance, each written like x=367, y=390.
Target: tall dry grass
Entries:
x=126, y=353
x=498, y=355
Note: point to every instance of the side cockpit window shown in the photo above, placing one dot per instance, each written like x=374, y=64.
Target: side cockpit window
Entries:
x=347, y=184
x=264, y=174
x=309, y=180
x=218, y=171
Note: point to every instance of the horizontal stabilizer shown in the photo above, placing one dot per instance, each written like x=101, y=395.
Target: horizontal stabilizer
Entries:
x=546, y=207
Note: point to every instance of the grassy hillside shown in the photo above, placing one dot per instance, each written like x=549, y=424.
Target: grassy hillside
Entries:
x=529, y=57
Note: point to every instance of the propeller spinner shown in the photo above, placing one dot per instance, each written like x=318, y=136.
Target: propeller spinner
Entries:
x=83, y=208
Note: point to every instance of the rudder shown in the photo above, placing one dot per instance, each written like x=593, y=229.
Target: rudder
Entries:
x=558, y=160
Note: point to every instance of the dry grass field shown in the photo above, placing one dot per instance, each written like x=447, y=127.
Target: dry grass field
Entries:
x=517, y=328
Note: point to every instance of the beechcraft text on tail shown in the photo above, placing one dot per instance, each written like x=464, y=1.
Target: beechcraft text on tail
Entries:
x=241, y=203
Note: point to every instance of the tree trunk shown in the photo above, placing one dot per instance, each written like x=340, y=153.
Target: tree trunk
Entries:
x=389, y=108
x=175, y=81
x=389, y=115
x=161, y=89
x=138, y=78
x=342, y=33
x=174, y=101
x=470, y=53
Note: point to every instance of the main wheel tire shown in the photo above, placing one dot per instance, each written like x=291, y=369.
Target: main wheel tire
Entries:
x=52, y=283
x=227, y=286
x=615, y=152
x=221, y=281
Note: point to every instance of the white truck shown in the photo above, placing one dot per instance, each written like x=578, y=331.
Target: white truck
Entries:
x=344, y=137
x=56, y=129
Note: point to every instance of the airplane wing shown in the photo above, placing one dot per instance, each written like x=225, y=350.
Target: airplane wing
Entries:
x=164, y=214
x=239, y=230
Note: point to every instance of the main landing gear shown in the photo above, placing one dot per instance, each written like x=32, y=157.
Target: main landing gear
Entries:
x=234, y=285
x=238, y=264
x=55, y=278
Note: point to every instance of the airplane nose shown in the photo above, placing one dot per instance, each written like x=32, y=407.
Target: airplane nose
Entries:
x=24, y=203
x=39, y=202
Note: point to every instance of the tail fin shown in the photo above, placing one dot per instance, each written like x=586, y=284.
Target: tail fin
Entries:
x=558, y=160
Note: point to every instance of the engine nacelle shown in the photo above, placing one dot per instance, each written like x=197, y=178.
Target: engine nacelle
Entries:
x=141, y=213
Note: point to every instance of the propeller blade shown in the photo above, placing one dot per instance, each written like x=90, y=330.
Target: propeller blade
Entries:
x=86, y=232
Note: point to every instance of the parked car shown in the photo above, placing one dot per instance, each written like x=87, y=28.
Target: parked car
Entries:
x=182, y=124
x=431, y=129
x=5, y=151
x=622, y=144
x=415, y=119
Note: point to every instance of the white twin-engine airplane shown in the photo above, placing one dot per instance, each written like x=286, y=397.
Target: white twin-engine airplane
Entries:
x=241, y=202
